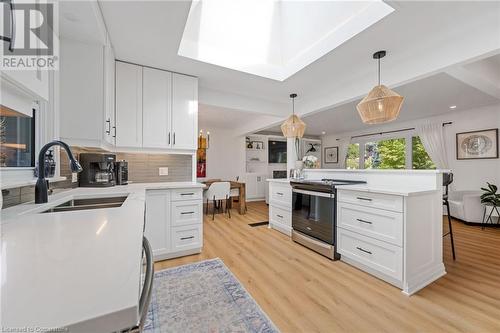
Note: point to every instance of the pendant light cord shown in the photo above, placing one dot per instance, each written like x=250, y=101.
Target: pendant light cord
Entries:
x=379, y=71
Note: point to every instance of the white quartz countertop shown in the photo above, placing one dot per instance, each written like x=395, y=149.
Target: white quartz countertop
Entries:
x=388, y=189
x=71, y=269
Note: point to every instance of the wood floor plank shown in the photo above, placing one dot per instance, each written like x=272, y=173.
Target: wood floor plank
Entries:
x=302, y=291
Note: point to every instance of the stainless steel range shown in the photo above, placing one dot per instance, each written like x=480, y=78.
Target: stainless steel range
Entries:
x=314, y=214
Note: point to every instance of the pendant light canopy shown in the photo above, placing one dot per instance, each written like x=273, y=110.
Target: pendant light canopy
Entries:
x=381, y=105
x=293, y=127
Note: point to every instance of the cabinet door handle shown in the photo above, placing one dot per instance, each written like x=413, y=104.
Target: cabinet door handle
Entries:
x=169, y=138
x=174, y=138
x=185, y=213
x=187, y=193
x=114, y=128
x=364, y=199
x=184, y=238
x=364, y=221
x=280, y=216
x=108, y=126
x=363, y=250
x=279, y=193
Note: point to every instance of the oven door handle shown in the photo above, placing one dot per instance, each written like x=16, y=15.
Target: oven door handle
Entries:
x=317, y=194
x=147, y=289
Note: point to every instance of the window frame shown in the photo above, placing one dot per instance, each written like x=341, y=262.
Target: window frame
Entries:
x=407, y=135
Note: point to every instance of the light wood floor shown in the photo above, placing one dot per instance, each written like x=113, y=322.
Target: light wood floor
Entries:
x=302, y=291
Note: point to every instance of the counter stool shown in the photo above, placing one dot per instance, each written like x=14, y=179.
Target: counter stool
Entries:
x=447, y=180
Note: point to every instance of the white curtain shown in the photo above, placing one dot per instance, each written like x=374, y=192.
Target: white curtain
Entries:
x=343, y=148
x=432, y=137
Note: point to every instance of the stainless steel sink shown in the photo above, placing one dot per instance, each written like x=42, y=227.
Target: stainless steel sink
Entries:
x=86, y=204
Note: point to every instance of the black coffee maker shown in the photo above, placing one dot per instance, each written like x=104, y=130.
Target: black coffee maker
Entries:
x=98, y=170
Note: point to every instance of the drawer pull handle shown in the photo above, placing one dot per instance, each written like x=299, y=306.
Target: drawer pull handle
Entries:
x=187, y=193
x=364, y=221
x=280, y=216
x=279, y=193
x=363, y=250
x=309, y=228
x=185, y=238
x=185, y=213
x=364, y=199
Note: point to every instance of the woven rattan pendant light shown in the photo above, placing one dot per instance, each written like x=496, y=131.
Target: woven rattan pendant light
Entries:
x=381, y=105
x=293, y=127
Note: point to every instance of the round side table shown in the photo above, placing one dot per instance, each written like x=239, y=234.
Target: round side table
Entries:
x=489, y=220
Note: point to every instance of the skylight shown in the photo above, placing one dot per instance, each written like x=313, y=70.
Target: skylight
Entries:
x=270, y=38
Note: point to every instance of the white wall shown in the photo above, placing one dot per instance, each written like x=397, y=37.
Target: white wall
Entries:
x=226, y=154
x=469, y=174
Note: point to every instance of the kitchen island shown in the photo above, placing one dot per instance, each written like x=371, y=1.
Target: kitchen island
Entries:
x=390, y=227
x=79, y=270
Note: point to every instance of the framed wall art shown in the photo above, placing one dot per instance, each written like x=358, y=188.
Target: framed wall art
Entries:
x=477, y=144
x=331, y=154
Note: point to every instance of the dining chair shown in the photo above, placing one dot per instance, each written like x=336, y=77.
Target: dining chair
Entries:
x=447, y=180
x=218, y=192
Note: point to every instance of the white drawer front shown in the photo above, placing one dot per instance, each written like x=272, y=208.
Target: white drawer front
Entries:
x=379, y=256
x=375, y=200
x=280, y=215
x=377, y=223
x=280, y=194
x=186, y=194
x=186, y=237
x=187, y=212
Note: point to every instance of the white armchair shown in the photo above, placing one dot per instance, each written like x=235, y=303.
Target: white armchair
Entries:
x=466, y=206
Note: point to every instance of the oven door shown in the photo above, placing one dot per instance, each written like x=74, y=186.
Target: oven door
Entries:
x=313, y=213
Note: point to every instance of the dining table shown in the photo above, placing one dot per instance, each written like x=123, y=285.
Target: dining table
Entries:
x=234, y=185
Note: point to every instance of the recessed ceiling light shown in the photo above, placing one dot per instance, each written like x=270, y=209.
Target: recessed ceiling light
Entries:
x=323, y=133
x=453, y=106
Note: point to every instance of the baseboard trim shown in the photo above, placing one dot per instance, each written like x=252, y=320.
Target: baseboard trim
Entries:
x=410, y=288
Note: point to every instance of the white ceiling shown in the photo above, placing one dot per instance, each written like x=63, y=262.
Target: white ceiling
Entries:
x=210, y=117
x=420, y=36
x=428, y=97
x=423, y=38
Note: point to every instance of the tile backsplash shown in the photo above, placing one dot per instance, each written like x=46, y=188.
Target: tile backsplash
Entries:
x=142, y=168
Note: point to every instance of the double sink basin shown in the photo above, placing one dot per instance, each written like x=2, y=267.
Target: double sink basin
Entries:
x=88, y=203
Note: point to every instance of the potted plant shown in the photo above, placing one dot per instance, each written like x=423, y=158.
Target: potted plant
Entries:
x=490, y=195
x=310, y=162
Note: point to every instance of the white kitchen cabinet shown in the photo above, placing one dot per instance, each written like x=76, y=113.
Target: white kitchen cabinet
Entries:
x=174, y=222
x=184, y=111
x=393, y=237
x=87, y=94
x=280, y=206
x=81, y=93
x=255, y=186
x=158, y=221
x=157, y=108
x=128, y=105
x=109, y=95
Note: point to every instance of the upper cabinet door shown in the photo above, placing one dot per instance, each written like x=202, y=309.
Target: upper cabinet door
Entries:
x=157, y=107
x=128, y=105
x=184, y=111
x=109, y=94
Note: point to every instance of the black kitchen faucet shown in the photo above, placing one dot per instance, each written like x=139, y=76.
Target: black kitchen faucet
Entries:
x=41, y=187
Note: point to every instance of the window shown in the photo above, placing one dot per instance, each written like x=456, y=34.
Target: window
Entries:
x=385, y=154
x=389, y=153
x=420, y=158
x=352, y=159
x=17, y=139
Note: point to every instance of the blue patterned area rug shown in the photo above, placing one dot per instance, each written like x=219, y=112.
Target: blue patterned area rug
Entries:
x=203, y=297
